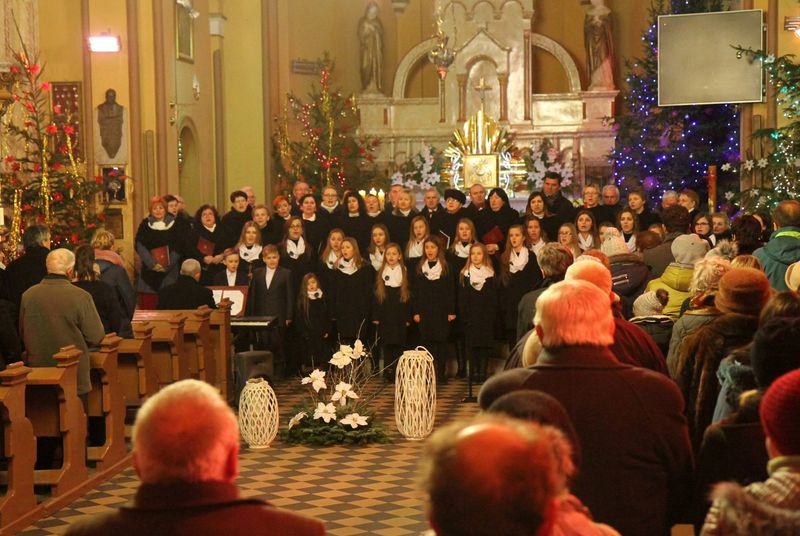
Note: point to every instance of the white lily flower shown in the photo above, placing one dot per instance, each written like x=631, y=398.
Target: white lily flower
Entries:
x=294, y=421
x=354, y=420
x=748, y=165
x=343, y=392
x=340, y=359
x=729, y=195
x=358, y=349
x=326, y=412
x=316, y=379
x=726, y=167
x=762, y=162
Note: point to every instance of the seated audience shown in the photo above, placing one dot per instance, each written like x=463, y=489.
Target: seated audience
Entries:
x=188, y=469
x=746, y=231
x=629, y=420
x=676, y=222
x=783, y=247
x=648, y=315
x=629, y=274
x=677, y=277
x=186, y=292
x=768, y=507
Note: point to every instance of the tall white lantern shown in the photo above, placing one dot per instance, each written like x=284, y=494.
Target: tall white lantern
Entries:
x=415, y=394
x=258, y=414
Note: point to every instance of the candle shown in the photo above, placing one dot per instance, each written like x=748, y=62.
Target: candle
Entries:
x=712, y=189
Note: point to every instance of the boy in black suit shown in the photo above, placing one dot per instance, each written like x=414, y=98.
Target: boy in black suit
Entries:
x=271, y=294
x=231, y=277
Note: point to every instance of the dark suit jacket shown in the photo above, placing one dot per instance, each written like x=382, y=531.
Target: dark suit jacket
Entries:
x=196, y=509
x=277, y=300
x=25, y=272
x=637, y=458
x=185, y=293
x=221, y=279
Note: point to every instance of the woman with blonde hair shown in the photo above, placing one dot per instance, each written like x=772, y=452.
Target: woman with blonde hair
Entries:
x=477, y=308
x=353, y=299
x=115, y=275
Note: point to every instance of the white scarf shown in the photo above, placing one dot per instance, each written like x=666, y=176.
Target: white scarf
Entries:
x=331, y=208
x=432, y=273
x=632, y=243
x=210, y=229
x=392, y=275
x=585, y=243
x=160, y=225
x=331, y=262
x=415, y=250
x=347, y=267
x=478, y=275
x=537, y=247
x=461, y=250
x=539, y=216
x=404, y=213
x=518, y=261
x=317, y=294
x=374, y=214
x=354, y=214
x=312, y=218
x=294, y=250
x=249, y=253
x=376, y=259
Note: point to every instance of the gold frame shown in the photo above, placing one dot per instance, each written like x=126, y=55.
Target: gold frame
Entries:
x=481, y=169
x=184, y=34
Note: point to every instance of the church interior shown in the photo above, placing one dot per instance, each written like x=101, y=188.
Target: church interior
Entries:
x=200, y=98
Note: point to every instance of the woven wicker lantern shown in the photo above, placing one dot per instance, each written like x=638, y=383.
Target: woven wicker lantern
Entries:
x=415, y=394
x=258, y=414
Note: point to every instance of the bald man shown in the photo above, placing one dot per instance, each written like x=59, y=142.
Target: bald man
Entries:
x=186, y=292
x=188, y=468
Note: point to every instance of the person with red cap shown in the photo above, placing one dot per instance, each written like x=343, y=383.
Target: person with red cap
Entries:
x=774, y=502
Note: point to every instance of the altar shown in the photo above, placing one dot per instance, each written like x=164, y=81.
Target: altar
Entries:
x=492, y=68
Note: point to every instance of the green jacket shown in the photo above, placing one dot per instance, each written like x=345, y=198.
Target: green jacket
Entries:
x=782, y=250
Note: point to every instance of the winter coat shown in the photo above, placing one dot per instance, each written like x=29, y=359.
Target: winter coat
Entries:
x=393, y=317
x=117, y=277
x=690, y=321
x=735, y=376
x=629, y=278
x=782, y=250
x=676, y=281
x=659, y=327
x=353, y=297
x=106, y=303
x=477, y=309
x=659, y=257
x=433, y=301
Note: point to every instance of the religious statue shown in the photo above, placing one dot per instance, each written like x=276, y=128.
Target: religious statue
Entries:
x=370, y=38
x=111, y=116
x=599, y=45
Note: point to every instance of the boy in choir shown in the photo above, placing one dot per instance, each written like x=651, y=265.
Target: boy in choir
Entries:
x=231, y=277
x=271, y=294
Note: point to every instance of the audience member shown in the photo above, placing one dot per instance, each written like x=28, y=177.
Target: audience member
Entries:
x=689, y=200
x=783, y=247
x=629, y=420
x=87, y=277
x=676, y=222
x=188, y=468
x=746, y=231
x=677, y=277
x=637, y=201
x=554, y=261
x=113, y=272
x=768, y=507
x=186, y=292
x=648, y=315
x=29, y=269
x=629, y=274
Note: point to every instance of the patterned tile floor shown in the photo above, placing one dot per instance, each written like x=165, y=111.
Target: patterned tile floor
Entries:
x=355, y=490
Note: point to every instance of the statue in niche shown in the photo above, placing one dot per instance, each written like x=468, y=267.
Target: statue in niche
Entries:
x=599, y=45
x=370, y=38
x=111, y=146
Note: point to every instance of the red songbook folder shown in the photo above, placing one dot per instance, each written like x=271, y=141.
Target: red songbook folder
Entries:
x=206, y=247
x=161, y=255
x=493, y=236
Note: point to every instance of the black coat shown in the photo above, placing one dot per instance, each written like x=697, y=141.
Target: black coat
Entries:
x=272, y=233
x=327, y=279
x=25, y=272
x=300, y=266
x=393, y=317
x=433, y=216
x=316, y=232
x=433, y=301
x=277, y=300
x=106, y=303
x=234, y=221
x=446, y=224
x=647, y=218
x=10, y=344
x=221, y=279
x=490, y=222
x=560, y=206
x=117, y=277
x=629, y=278
x=359, y=228
x=148, y=239
x=400, y=228
x=353, y=298
x=602, y=214
x=222, y=240
x=314, y=324
x=519, y=284
x=477, y=310
x=185, y=293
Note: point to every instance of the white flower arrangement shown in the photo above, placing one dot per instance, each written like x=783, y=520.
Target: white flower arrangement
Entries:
x=340, y=415
x=544, y=157
x=421, y=171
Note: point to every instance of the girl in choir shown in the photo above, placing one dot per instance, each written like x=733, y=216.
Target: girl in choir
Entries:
x=519, y=274
x=434, y=303
x=534, y=236
x=391, y=308
x=628, y=224
x=377, y=245
x=352, y=284
x=354, y=221
x=459, y=249
x=588, y=236
x=477, y=308
x=315, y=225
x=210, y=242
x=420, y=230
x=568, y=237
x=271, y=229
x=249, y=248
x=329, y=260
x=296, y=254
x=312, y=321
x=400, y=218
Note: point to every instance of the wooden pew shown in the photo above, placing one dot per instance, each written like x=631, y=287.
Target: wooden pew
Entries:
x=137, y=373
x=54, y=409
x=107, y=401
x=169, y=357
x=18, y=445
x=220, y=332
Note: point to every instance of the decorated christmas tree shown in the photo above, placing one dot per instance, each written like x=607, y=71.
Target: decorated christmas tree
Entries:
x=41, y=176
x=669, y=148
x=329, y=148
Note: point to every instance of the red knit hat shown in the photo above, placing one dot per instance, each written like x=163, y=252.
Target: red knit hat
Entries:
x=780, y=413
x=743, y=290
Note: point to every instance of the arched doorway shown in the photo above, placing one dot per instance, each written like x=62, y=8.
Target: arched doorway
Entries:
x=189, y=168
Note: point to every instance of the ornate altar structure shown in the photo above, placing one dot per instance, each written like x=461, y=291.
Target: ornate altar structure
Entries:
x=492, y=69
